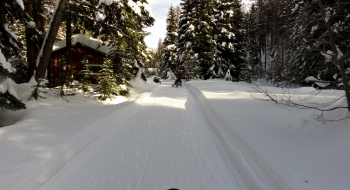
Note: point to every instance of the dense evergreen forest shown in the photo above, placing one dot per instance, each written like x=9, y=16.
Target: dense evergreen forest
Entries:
x=283, y=42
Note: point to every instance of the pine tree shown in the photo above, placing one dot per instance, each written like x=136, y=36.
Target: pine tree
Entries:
x=107, y=84
x=125, y=36
x=306, y=58
x=239, y=56
x=186, y=33
x=267, y=39
x=85, y=73
x=38, y=89
x=223, y=34
x=204, y=44
x=9, y=46
x=252, y=41
x=169, y=51
x=322, y=27
x=158, y=54
x=191, y=68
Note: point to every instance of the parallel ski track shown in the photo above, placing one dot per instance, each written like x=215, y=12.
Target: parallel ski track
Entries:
x=165, y=115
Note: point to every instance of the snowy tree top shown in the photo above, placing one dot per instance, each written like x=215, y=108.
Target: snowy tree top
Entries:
x=108, y=2
x=85, y=40
x=135, y=6
x=171, y=47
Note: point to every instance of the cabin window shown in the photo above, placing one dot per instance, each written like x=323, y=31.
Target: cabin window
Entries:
x=94, y=68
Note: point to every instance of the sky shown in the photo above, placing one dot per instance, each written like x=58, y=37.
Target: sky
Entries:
x=160, y=10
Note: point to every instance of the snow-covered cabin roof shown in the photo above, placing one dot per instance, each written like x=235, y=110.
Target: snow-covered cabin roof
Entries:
x=85, y=40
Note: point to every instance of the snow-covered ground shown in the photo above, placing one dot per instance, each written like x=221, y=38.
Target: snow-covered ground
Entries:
x=206, y=135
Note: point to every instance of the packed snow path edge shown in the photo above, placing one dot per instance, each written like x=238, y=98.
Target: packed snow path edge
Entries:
x=255, y=172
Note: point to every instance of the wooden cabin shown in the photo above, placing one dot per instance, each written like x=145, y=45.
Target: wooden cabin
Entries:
x=82, y=45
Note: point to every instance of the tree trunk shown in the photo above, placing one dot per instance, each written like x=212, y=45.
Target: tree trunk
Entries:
x=69, y=46
x=40, y=25
x=34, y=8
x=30, y=35
x=46, y=49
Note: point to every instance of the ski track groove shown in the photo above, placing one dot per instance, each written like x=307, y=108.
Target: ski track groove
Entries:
x=114, y=129
x=193, y=140
x=96, y=141
x=144, y=168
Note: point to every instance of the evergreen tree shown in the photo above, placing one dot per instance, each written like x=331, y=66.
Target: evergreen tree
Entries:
x=204, y=44
x=196, y=34
x=186, y=33
x=191, y=68
x=323, y=26
x=223, y=34
x=9, y=47
x=107, y=84
x=311, y=37
x=125, y=36
x=169, y=51
x=158, y=54
x=229, y=37
x=38, y=89
x=252, y=41
x=178, y=13
x=239, y=55
x=267, y=37
x=85, y=73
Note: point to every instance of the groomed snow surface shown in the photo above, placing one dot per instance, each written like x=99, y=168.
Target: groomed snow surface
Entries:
x=206, y=135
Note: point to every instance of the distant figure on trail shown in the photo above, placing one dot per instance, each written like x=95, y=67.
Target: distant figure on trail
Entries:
x=178, y=75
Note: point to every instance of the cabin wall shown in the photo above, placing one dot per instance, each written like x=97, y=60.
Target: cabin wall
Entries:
x=78, y=53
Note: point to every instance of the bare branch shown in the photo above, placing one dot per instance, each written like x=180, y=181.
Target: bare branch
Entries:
x=285, y=98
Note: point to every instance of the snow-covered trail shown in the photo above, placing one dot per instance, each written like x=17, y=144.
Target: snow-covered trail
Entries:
x=160, y=141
